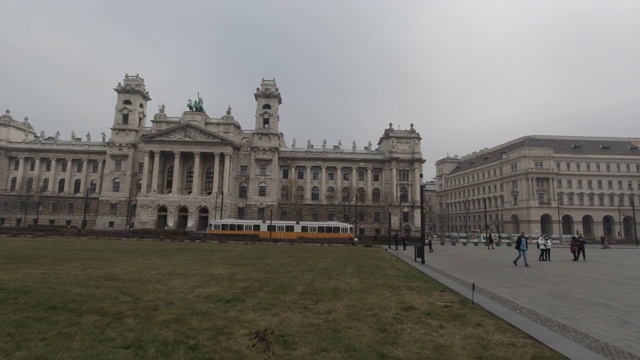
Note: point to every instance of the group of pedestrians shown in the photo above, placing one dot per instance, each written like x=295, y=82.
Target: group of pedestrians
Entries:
x=544, y=245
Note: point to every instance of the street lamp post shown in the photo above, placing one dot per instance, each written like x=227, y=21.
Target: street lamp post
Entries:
x=38, y=204
x=635, y=228
x=84, y=210
x=620, y=227
x=270, y=222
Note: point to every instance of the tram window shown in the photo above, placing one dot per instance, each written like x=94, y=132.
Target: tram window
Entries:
x=232, y=227
x=271, y=228
x=336, y=229
x=289, y=228
x=280, y=227
x=239, y=227
x=256, y=227
x=225, y=226
x=304, y=229
x=216, y=226
x=313, y=229
x=321, y=229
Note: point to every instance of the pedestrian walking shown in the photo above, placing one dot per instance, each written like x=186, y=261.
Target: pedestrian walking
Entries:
x=606, y=243
x=573, y=247
x=521, y=246
x=490, y=242
x=430, y=242
x=404, y=242
x=581, y=244
x=602, y=238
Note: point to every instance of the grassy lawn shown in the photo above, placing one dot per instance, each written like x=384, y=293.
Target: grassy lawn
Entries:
x=109, y=299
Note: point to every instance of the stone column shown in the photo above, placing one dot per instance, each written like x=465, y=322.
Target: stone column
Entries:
x=216, y=172
x=339, y=183
x=83, y=180
x=155, y=172
x=100, y=177
x=145, y=173
x=369, y=194
x=36, y=176
x=67, y=177
x=227, y=171
x=323, y=185
x=196, y=174
x=307, y=192
x=416, y=184
x=176, y=173
x=20, y=174
x=52, y=176
x=393, y=183
x=354, y=180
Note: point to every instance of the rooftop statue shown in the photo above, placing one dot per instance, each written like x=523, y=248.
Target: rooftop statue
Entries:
x=57, y=135
x=353, y=146
x=88, y=136
x=190, y=105
x=229, y=110
x=293, y=143
x=104, y=136
x=162, y=109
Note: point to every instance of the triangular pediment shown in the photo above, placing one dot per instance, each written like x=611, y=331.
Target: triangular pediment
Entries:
x=186, y=133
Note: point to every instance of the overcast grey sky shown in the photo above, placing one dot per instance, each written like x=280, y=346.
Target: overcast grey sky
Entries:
x=467, y=74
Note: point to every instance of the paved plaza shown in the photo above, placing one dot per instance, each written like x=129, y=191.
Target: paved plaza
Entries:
x=584, y=310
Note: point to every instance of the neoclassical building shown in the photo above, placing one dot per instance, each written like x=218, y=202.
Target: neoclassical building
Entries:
x=543, y=184
x=180, y=172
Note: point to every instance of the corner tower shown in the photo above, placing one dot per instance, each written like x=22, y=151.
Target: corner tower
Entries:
x=268, y=100
x=131, y=109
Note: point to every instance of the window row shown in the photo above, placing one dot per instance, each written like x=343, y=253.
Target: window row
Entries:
x=300, y=174
x=28, y=185
x=63, y=166
x=599, y=184
x=590, y=199
x=597, y=167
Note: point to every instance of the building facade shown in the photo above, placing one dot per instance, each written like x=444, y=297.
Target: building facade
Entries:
x=181, y=172
x=543, y=185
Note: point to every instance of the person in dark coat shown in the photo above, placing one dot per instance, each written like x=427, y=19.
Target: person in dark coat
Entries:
x=404, y=242
x=581, y=243
x=490, y=242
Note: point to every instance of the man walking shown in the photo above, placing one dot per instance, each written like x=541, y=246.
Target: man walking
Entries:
x=521, y=246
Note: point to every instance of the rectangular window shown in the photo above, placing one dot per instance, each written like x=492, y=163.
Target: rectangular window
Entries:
x=514, y=167
x=617, y=167
x=315, y=174
x=577, y=166
x=628, y=166
x=608, y=167
x=404, y=175
x=32, y=165
x=94, y=167
x=559, y=183
x=240, y=213
x=570, y=199
x=54, y=207
x=376, y=175
x=405, y=216
x=112, y=224
x=261, y=213
x=601, y=200
x=113, y=209
x=538, y=165
x=331, y=175
x=263, y=169
x=70, y=208
x=376, y=216
x=47, y=165
x=125, y=119
x=620, y=184
x=514, y=200
x=539, y=182
x=345, y=175
x=244, y=171
x=140, y=168
x=569, y=184
x=118, y=165
x=558, y=166
x=591, y=202
x=300, y=173
x=63, y=167
x=588, y=167
x=598, y=167
x=540, y=199
x=612, y=201
x=599, y=184
x=579, y=184
x=514, y=184
x=609, y=184
x=589, y=184
x=285, y=173
x=79, y=166
x=568, y=166
x=581, y=199
x=360, y=175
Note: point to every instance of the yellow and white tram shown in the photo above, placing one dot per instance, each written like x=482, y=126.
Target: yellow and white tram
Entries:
x=282, y=229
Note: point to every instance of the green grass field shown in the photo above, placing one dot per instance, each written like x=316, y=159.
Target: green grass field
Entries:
x=110, y=299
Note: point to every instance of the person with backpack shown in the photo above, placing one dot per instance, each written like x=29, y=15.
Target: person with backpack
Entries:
x=521, y=246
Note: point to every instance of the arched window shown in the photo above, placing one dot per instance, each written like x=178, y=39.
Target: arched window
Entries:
x=375, y=196
x=300, y=193
x=45, y=184
x=242, y=191
x=315, y=193
x=76, y=186
x=189, y=183
x=361, y=195
x=92, y=186
x=29, y=185
x=126, y=102
x=346, y=194
x=284, y=193
x=266, y=106
x=169, y=179
x=404, y=195
x=14, y=181
x=208, y=180
x=262, y=189
x=116, y=185
x=61, y=186
x=331, y=194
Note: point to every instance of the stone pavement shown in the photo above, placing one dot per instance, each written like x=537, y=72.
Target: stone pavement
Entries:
x=584, y=310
